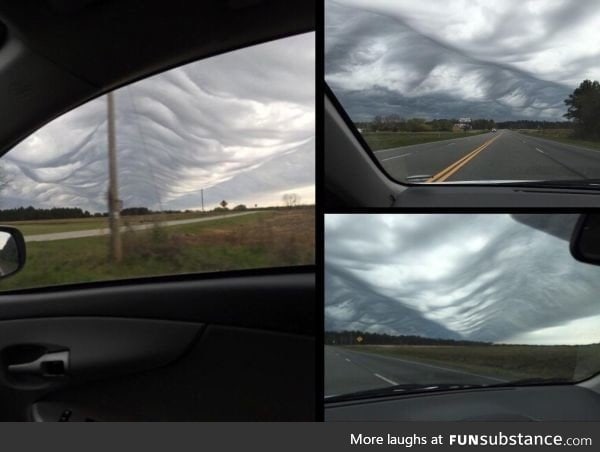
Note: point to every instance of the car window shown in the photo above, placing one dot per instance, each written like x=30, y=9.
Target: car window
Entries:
x=485, y=92
x=214, y=171
x=429, y=302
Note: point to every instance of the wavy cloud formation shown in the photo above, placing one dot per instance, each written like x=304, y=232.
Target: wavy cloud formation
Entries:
x=485, y=277
x=238, y=125
x=515, y=59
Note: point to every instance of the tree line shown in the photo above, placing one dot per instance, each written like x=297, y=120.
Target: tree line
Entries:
x=32, y=213
x=529, y=124
x=395, y=123
x=583, y=115
x=584, y=110
x=62, y=213
x=352, y=338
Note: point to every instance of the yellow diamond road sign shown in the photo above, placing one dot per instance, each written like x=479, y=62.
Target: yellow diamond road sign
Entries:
x=359, y=339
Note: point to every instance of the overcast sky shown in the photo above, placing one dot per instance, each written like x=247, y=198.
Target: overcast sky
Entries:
x=239, y=125
x=503, y=59
x=477, y=277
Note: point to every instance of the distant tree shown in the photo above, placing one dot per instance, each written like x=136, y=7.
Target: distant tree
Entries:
x=240, y=207
x=136, y=211
x=584, y=108
x=483, y=124
x=442, y=125
x=350, y=338
x=33, y=213
x=291, y=199
x=418, y=125
x=529, y=124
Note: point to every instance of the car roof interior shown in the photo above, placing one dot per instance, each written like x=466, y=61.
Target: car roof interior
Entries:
x=77, y=47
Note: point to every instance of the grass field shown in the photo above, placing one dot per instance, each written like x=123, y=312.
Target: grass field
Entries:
x=264, y=239
x=562, y=136
x=503, y=361
x=386, y=140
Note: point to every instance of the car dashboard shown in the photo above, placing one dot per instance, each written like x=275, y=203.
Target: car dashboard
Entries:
x=531, y=403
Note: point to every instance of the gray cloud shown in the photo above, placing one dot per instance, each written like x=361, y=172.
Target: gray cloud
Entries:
x=505, y=60
x=238, y=125
x=479, y=277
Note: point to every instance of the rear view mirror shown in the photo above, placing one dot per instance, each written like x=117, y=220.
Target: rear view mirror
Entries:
x=12, y=251
x=585, y=241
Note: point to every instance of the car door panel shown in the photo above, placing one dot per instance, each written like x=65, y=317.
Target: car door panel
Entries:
x=220, y=347
x=216, y=380
x=280, y=300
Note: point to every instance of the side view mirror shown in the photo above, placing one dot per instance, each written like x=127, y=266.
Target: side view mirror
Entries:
x=12, y=251
x=585, y=241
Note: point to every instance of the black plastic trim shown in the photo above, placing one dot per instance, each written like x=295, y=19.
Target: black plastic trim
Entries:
x=283, y=301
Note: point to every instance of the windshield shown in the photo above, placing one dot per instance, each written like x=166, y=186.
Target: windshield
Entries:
x=423, y=301
x=470, y=92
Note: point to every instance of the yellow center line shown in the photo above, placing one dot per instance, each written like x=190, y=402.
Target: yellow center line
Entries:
x=450, y=170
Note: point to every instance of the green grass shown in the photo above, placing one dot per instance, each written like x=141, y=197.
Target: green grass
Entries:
x=562, y=136
x=50, y=226
x=264, y=239
x=385, y=140
x=503, y=361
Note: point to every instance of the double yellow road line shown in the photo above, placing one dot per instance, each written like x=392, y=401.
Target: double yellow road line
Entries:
x=449, y=171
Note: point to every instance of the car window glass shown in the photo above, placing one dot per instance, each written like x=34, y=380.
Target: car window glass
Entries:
x=214, y=164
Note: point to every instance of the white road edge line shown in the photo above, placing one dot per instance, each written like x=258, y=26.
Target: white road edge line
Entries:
x=397, y=157
x=387, y=380
x=539, y=150
x=347, y=360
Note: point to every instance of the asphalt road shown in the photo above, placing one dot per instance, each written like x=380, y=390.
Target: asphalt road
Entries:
x=106, y=231
x=501, y=156
x=350, y=371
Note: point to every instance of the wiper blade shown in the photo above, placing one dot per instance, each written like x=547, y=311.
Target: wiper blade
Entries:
x=532, y=382
x=417, y=388
x=588, y=184
x=400, y=389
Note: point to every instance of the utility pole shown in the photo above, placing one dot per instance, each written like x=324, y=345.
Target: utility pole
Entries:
x=116, y=252
x=202, y=198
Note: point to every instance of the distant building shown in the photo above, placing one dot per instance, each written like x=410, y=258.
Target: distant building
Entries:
x=462, y=124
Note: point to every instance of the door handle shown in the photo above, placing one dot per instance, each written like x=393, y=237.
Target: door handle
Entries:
x=53, y=364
